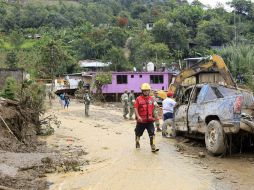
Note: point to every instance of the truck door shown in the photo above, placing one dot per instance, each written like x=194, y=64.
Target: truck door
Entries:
x=195, y=109
x=199, y=107
x=180, y=111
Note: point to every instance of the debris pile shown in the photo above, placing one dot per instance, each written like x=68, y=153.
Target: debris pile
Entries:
x=24, y=160
x=45, y=127
x=18, y=127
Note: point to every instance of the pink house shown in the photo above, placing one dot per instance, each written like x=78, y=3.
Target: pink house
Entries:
x=133, y=80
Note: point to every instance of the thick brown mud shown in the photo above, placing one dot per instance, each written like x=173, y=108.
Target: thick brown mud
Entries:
x=114, y=163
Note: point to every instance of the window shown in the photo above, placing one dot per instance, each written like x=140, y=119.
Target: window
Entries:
x=210, y=95
x=186, y=96
x=132, y=76
x=140, y=76
x=194, y=97
x=227, y=91
x=217, y=92
x=121, y=79
x=156, y=79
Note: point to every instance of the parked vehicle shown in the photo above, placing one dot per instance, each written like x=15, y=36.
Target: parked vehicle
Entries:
x=213, y=110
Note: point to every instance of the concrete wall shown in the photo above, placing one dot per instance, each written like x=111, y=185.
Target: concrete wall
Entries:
x=18, y=74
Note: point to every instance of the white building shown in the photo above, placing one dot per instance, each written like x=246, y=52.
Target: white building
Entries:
x=93, y=65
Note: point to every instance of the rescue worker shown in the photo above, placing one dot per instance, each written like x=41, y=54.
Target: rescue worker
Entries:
x=131, y=104
x=144, y=109
x=87, y=101
x=62, y=101
x=156, y=111
x=66, y=100
x=124, y=100
x=168, y=108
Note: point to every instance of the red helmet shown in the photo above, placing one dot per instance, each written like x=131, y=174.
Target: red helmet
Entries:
x=170, y=94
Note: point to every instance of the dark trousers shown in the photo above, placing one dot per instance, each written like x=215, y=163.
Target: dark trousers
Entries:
x=140, y=128
x=167, y=115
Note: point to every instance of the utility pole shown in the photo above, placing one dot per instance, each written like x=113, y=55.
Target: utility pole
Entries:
x=52, y=62
x=235, y=28
x=156, y=57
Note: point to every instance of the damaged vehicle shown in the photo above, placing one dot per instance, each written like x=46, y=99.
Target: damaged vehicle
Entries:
x=214, y=111
x=212, y=107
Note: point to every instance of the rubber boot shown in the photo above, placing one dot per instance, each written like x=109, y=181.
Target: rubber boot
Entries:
x=158, y=129
x=137, y=142
x=153, y=147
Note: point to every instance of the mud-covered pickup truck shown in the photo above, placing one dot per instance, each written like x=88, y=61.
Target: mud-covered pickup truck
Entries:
x=213, y=110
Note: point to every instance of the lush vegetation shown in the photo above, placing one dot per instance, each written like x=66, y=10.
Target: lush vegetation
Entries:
x=36, y=34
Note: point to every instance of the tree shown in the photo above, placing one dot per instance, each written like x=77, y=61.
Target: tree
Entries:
x=189, y=15
x=97, y=13
x=32, y=95
x=122, y=21
x=53, y=60
x=9, y=89
x=34, y=16
x=152, y=52
x=3, y=13
x=175, y=35
x=11, y=59
x=242, y=7
x=117, y=58
x=239, y=59
x=102, y=79
x=16, y=39
x=219, y=32
x=118, y=36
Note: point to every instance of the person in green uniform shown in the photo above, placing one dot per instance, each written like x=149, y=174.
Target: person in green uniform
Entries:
x=87, y=101
x=124, y=100
x=131, y=104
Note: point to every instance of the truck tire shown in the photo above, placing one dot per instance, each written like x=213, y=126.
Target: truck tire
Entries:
x=175, y=133
x=215, y=138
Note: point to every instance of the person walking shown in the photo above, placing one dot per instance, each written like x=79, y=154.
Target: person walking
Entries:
x=87, y=101
x=66, y=101
x=62, y=102
x=124, y=100
x=168, y=108
x=156, y=111
x=144, y=109
x=131, y=104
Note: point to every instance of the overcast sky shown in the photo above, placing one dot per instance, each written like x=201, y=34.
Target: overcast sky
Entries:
x=213, y=3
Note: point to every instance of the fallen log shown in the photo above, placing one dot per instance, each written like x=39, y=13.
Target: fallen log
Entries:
x=8, y=128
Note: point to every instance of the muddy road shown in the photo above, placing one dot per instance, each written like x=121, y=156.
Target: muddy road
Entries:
x=114, y=163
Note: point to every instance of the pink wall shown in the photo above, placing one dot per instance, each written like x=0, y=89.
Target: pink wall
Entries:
x=135, y=83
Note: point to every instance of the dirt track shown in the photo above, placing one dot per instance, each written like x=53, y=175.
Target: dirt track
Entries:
x=115, y=164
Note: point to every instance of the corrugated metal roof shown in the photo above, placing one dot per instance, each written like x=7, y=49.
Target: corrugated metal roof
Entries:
x=93, y=63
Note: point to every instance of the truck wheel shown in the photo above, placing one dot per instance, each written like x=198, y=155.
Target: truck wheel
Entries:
x=215, y=138
x=175, y=133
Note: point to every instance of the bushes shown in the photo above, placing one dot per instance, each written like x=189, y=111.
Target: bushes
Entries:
x=29, y=94
x=32, y=95
x=239, y=59
x=10, y=88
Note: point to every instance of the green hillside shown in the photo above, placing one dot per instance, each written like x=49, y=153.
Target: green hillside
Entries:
x=116, y=30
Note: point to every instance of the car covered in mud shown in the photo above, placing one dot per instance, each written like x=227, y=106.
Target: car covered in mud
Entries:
x=213, y=112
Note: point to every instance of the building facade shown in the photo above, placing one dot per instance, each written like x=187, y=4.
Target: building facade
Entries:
x=133, y=80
